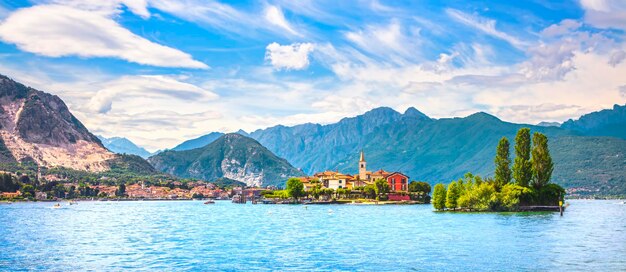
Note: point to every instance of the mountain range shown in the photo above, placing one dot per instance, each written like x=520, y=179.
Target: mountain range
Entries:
x=608, y=122
x=439, y=150
x=589, y=153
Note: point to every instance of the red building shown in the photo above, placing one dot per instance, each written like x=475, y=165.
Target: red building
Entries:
x=397, y=181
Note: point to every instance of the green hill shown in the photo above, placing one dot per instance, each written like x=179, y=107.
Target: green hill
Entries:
x=232, y=156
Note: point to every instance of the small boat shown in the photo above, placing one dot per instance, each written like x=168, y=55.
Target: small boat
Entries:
x=56, y=206
x=71, y=202
x=209, y=202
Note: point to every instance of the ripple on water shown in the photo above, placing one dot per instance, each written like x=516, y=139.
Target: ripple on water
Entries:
x=187, y=235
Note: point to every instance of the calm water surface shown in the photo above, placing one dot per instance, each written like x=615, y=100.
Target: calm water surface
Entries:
x=187, y=235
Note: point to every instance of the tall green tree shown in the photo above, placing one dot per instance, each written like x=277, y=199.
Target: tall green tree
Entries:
x=541, y=162
x=502, y=161
x=295, y=188
x=439, y=197
x=382, y=187
x=121, y=190
x=452, y=196
x=522, y=170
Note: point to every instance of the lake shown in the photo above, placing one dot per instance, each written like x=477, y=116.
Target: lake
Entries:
x=187, y=235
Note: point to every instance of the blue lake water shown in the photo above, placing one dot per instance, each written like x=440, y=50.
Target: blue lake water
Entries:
x=190, y=236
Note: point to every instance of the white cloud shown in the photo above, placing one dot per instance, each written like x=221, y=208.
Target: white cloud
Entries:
x=57, y=30
x=605, y=13
x=552, y=58
x=290, y=57
x=564, y=27
x=274, y=15
x=488, y=26
x=145, y=88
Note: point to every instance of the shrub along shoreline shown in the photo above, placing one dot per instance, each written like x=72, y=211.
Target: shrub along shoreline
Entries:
x=518, y=188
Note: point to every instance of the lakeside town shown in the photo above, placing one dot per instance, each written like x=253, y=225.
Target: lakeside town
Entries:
x=324, y=187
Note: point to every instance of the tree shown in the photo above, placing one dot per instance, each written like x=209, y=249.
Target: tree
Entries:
x=381, y=186
x=452, y=196
x=503, y=170
x=28, y=190
x=419, y=186
x=522, y=172
x=439, y=197
x=340, y=192
x=8, y=183
x=121, y=190
x=295, y=188
x=541, y=162
x=370, y=191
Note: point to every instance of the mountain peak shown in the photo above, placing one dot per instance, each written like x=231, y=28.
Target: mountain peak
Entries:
x=242, y=132
x=481, y=115
x=413, y=112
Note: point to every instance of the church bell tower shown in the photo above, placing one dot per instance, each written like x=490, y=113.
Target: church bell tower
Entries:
x=362, y=167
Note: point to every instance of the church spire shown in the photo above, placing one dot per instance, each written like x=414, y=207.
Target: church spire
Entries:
x=362, y=157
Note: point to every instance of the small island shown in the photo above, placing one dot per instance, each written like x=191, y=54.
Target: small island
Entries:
x=524, y=187
x=365, y=187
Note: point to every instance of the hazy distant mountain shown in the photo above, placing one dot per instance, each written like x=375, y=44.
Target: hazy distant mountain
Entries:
x=123, y=146
x=441, y=150
x=202, y=141
x=198, y=142
x=38, y=127
x=232, y=156
x=549, y=124
x=608, y=122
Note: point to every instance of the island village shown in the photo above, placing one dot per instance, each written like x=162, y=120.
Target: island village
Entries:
x=398, y=183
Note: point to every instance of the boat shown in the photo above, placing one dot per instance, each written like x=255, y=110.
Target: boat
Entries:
x=56, y=206
x=209, y=202
x=71, y=202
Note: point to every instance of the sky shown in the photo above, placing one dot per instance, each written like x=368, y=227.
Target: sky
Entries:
x=159, y=72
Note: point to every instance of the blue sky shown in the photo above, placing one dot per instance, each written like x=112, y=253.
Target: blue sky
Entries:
x=159, y=72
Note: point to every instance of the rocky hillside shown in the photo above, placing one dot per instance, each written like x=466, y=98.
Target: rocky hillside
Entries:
x=38, y=127
x=231, y=156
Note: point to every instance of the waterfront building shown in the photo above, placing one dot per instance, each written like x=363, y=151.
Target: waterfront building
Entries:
x=398, y=182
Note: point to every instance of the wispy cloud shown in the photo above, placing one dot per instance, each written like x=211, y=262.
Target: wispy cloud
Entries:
x=392, y=42
x=224, y=17
x=274, y=15
x=487, y=26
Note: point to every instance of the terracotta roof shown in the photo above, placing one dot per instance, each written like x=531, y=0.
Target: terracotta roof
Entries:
x=390, y=174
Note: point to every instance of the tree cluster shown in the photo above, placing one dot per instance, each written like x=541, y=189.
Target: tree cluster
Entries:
x=526, y=184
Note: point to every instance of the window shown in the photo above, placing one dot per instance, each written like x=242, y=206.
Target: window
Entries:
x=339, y=181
